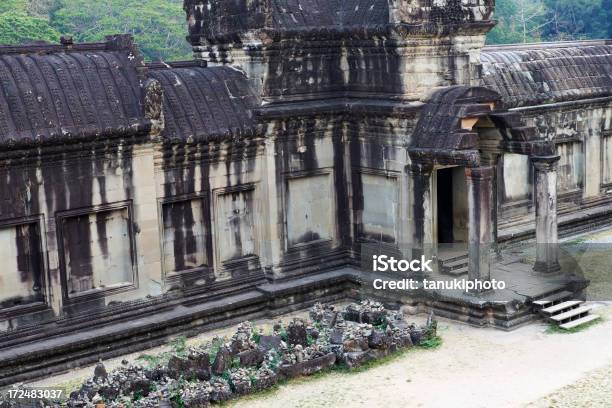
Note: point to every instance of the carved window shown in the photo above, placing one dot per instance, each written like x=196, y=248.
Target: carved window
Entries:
x=97, y=251
x=185, y=236
x=570, y=174
x=21, y=275
x=235, y=228
x=310, y=209
x=380, y=207
x=606, y=158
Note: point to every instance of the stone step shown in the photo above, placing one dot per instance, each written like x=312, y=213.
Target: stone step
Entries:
x=457, y=272
x=460, y=263
x=561, y=317
x=579, y=322
x=561, y=307
x=445, y=258
x=549, y=300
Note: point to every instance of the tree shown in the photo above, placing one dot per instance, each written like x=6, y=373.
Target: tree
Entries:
x=18, y=28
x=577, y=19
x=158, y=25
x=519, y=21
x=506, y=30
x=551, y=20
x=19, y=6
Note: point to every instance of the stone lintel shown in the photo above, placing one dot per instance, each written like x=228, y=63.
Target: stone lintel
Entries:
x=481, y=173
x=545, y=163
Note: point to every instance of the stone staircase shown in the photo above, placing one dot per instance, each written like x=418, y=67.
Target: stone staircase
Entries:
x=562, y=309
x=455, y=264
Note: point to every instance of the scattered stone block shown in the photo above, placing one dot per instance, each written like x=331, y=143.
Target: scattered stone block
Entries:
x=336, y=336
x=416, y=336
x=251, y=358
x=267, y=343
x=379, y=340
x=221, y=390
x=223, y=361
x=100, y=373
x=296, y=333
x=307, y=367
x=355, y=359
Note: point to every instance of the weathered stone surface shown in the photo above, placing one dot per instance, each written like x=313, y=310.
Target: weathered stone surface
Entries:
x=194, y=366
x=199, y=142
x=416, y=335
x=307, y=367
x=354, y=345
x=296, y=333
x=222, y=362
x=221, y=390
x=196, y=395
x=100, y=372
x=139, y=387
x=336, y=336
x=355, y=359
x=379, y=340
x=251, y=358
x=267, y=343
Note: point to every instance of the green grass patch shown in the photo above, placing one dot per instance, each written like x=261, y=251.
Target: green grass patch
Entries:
x=555, y=329
x=431, y=343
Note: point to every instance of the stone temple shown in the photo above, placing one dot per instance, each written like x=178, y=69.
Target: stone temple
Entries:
x=139, y=200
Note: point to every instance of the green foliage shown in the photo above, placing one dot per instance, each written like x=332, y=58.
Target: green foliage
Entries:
x=215, y=345
x=381, y=323
x=158, y=26
x=17, y=6
x=521, y=21
x=235, y=362
x=431, y=343
x=16, y=27
x=151, y=360
x=179, y=346
x=283, y=335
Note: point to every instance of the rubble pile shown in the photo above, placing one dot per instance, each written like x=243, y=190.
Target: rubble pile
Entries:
x=251, y=360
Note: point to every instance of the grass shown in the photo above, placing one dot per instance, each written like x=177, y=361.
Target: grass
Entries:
x=555, y=329
x=178, y=347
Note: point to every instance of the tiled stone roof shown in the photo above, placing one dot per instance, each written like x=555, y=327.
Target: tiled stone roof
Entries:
x=547, y=73
x=441, y=137
x=204, y=104
x=56, y=93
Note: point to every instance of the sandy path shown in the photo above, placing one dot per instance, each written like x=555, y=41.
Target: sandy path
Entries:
x=593, y=390
x=473, y=368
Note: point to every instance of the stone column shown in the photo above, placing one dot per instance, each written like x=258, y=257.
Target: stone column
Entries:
x=493, y=160
x=480, y=201
x=422, y=234
x=545, y=197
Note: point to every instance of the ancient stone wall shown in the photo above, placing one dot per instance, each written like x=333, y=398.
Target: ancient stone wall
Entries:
x=130, y=190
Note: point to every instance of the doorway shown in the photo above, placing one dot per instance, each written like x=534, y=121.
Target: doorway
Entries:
x=451, y=200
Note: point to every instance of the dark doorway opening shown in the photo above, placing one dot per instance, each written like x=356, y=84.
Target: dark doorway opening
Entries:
x=445, y=206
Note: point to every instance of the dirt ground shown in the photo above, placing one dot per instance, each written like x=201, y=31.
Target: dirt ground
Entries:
x=473, y=368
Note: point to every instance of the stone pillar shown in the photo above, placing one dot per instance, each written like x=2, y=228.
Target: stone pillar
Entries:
x=493, y=161
x=480, y=201
x=545, y=197
x=422, y=233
